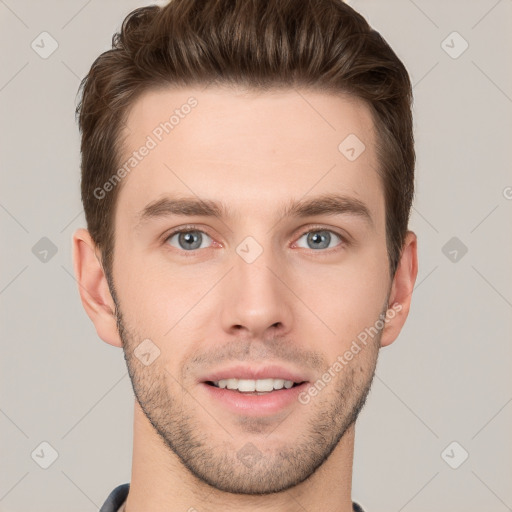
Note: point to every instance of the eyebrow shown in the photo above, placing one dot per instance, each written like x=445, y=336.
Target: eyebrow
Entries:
x=326, y=204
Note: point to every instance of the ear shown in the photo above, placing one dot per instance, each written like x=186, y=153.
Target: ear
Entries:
x=402, y=287
x=93, y=288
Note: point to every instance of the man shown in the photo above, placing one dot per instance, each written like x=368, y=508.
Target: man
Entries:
x=247, y=177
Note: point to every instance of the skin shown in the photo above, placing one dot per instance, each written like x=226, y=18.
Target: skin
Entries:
x=296, y=305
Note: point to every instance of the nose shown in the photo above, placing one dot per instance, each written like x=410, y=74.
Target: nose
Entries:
x=256, y=298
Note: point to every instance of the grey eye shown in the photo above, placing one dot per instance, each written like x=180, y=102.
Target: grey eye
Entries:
x=189, y=240
x=319, y=239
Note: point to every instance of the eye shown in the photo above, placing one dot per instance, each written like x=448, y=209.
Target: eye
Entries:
x=320, y=239
x=188, y=240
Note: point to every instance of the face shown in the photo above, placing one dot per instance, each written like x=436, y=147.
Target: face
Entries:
x=250, y=247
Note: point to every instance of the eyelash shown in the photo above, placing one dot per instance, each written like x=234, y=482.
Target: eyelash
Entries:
x=344, y=242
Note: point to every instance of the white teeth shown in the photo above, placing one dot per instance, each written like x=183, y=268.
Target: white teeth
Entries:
x=248, y=385
x=264, y=384
x=279, y=383
x=230, y=383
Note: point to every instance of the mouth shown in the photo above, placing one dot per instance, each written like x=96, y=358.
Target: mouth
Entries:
x=254, y=387
x=254, y=398
x=255, y=390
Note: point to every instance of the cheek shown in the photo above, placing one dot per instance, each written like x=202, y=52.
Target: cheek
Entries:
x=159, y=299
x=347, y=297
x=144, y=293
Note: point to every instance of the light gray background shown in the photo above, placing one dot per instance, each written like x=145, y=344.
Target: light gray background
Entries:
x=447, y=377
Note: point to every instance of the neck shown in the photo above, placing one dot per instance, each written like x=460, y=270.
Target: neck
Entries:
x=160, y=482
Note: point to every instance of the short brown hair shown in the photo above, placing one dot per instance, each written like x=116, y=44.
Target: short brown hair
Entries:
x=322, y=45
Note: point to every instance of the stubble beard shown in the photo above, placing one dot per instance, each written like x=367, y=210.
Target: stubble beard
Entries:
x=216, y=461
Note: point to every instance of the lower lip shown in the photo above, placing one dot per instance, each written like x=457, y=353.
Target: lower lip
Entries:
x=255, y=405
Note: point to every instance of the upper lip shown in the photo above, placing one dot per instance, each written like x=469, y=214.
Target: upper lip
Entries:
x=255, y=373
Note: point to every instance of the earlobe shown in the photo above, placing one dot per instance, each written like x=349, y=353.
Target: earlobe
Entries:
x=401, y=290
x=93, y=288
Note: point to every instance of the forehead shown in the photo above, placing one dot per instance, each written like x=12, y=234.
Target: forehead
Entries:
x=248, y=148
